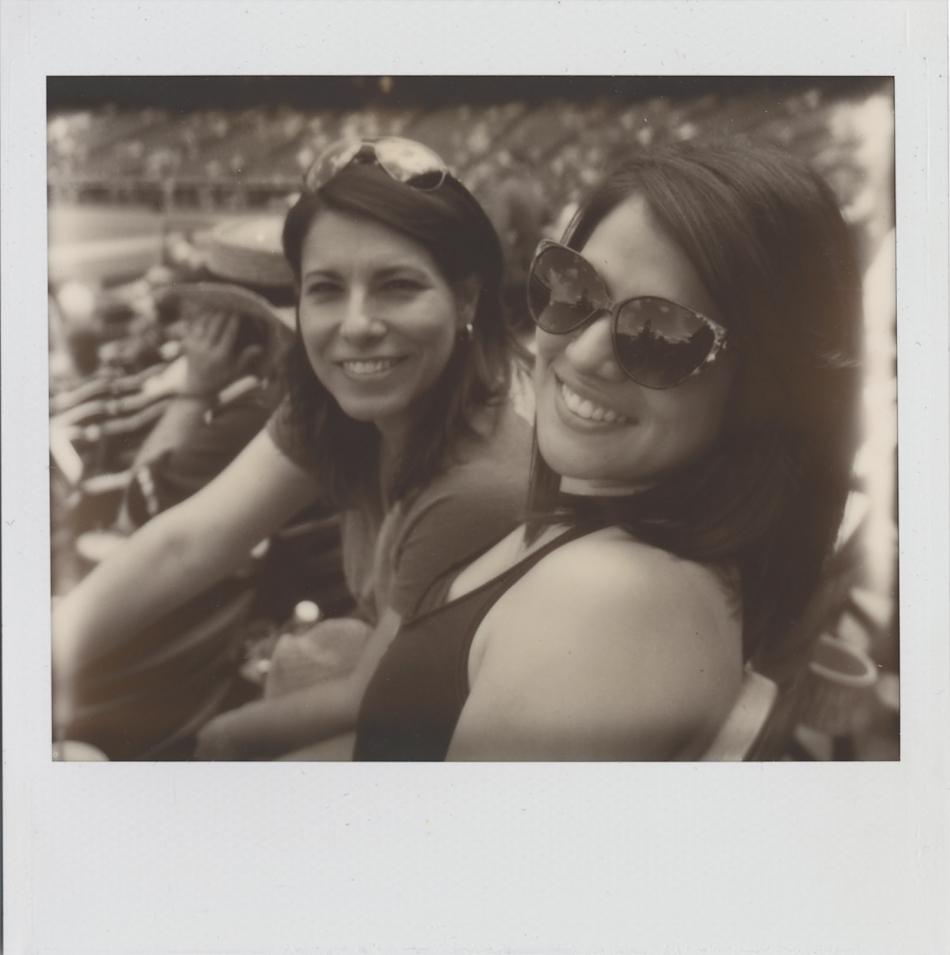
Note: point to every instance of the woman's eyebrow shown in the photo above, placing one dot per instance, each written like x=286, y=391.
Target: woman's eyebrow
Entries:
x=322, y=273
x=382, y=272
x=400, y=269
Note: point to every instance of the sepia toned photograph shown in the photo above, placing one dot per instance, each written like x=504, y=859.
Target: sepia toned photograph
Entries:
x=476, y=480
x=485, y=418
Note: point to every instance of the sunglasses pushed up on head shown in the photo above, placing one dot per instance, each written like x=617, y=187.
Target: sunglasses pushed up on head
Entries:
x=404, y=160
x=657, y=343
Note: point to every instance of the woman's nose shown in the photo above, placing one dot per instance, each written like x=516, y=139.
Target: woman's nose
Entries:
x=591, y=350
x=359, y=322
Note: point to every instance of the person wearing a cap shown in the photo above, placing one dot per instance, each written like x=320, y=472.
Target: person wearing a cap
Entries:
x=234, y=343
x=236, y=323
x=398, y=411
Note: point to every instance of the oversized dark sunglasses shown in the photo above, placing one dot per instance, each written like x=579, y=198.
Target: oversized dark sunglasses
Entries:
x=657, y=343
x=404, y=159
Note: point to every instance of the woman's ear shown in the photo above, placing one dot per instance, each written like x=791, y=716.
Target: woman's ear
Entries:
x=466, y=300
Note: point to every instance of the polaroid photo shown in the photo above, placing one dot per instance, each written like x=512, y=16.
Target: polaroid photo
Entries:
x=156, y=158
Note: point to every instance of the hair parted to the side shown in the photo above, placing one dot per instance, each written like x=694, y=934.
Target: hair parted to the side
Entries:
x=766, y=236
x=451, y=226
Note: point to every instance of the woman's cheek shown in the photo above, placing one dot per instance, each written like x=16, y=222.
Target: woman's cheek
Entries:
x=314, y=330
x=546, y=347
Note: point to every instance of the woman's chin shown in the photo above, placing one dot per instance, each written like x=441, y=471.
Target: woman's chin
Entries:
x=595, y=487
x=574, y=457
x=586, y=470
x=367, y=410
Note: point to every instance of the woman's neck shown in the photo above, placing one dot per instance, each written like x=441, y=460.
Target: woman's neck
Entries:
x=394, y=438
x=394, y=434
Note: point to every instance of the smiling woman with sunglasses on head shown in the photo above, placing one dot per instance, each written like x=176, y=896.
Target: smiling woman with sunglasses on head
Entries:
x=698, y=340
x=397, y=412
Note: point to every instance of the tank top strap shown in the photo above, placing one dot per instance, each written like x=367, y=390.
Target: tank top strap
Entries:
x=434, y=595
x=518, y=570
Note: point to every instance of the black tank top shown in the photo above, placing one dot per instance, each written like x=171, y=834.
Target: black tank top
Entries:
x=414, y=700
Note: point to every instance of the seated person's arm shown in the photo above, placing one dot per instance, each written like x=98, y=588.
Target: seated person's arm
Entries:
x=175, y=557
x=212, y=365
x=180, y=472
x=606, y=651
x=268, y=728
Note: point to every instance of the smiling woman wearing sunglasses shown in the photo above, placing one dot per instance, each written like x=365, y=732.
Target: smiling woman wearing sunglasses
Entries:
x=698, y=336
x=398, y=413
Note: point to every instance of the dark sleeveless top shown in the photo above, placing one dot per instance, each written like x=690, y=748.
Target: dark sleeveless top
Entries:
x=414, y=700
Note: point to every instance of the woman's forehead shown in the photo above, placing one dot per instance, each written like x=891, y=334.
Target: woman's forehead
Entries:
x=341, y=241
x=636, y=257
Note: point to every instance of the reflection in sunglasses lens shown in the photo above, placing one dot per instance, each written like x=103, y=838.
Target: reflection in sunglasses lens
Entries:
x=563, y=290
x=426, y=180
x=402, y=159
x=660, y=344
x=410, y=162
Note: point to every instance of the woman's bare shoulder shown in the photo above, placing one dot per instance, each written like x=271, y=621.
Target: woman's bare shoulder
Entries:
x=608, y=648
x=609, y=571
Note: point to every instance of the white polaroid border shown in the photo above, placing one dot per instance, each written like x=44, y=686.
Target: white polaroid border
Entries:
x=764, y=858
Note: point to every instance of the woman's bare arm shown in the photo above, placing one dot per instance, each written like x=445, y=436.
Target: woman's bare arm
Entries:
x=606, y=650
x=269, y=728
x=177, y=555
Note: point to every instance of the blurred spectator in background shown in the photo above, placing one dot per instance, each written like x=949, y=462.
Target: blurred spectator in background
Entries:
x=234, y=336
x=233, y=345
x=221, y=389
x=519, y=211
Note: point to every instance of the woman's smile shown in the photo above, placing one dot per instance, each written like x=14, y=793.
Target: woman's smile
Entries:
x=365, y=368
x=585, y=411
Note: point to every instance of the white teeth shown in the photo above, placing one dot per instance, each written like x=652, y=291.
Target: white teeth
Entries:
x=369, y=367
x=584, y=408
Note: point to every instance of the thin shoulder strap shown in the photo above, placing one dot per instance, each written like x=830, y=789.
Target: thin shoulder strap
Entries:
x=517, y=571
x=507, y=577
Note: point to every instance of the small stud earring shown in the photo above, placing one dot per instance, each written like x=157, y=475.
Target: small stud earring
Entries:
x=467, y=332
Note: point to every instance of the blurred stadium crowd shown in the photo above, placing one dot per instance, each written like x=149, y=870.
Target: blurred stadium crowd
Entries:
x=134, y=194
x=237, y=159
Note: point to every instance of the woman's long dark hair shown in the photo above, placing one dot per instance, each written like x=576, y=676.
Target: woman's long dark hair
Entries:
x=766, y=237
x=452, y=227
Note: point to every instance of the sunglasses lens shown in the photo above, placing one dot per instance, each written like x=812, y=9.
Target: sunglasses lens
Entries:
x=410, y=162
x=330, y=162
x=563, y=290
x=660, y=344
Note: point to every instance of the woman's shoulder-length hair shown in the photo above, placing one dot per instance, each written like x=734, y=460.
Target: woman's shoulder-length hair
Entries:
x=767, y=238
x=454, y=230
